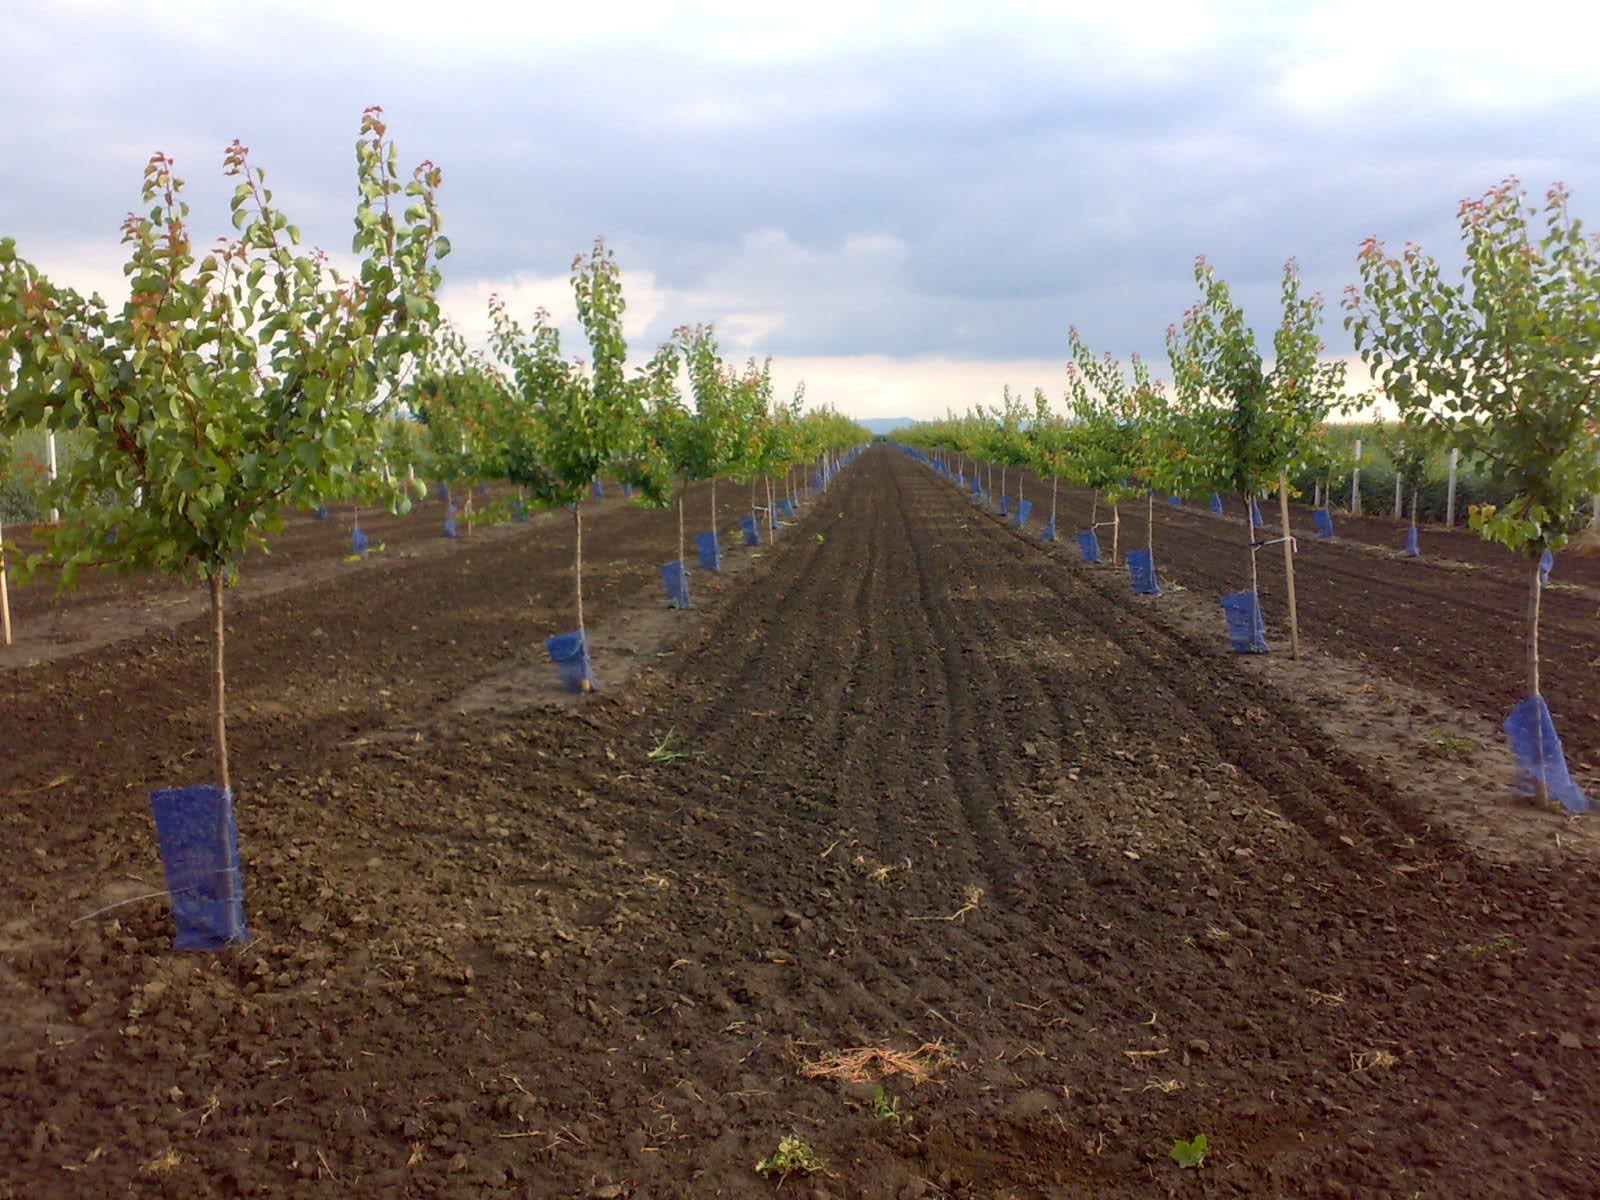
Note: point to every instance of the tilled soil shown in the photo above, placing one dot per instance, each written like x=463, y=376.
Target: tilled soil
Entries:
x=1454, y=631
x=942, y=796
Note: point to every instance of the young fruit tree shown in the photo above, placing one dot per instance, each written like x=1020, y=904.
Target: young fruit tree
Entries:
x=715, y=411
x=1105, y=404
x=1502, y=366
x=232, y=383
x=1250, y=426
x=564, y=426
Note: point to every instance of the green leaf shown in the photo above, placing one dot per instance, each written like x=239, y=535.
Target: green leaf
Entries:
x=1191, y=1153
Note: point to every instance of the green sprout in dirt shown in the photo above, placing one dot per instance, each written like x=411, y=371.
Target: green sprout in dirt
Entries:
x=663, y=751
x=886, y=1107
x=1191, y=1153
x=1504, y=944
x=1448, y=746
x=792, y=1157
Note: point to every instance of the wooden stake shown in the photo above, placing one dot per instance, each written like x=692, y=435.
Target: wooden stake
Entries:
x=1288, y=564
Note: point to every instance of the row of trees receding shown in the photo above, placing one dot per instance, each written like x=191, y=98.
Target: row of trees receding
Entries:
x=1502, y=366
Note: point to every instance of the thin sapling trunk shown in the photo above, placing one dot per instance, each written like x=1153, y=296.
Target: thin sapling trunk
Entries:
x=1535, y=590
x=1288, y=564
x=5, y=597
x=772, y=517
x=577, y=562
x=219, y=707
x=680, y=522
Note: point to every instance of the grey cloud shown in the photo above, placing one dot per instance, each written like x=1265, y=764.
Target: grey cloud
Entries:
x=1028, y=190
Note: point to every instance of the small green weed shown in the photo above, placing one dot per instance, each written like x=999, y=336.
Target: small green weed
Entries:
x=1191, y=1153
x=664, y=752
x=792, y=1157
x=1447, y=746
x=886, y=1107
x=820, y=539
x=1504, y=944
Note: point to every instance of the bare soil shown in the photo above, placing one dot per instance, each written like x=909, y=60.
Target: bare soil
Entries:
x=1080, y=882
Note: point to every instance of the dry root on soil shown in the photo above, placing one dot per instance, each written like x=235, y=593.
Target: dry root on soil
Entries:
x=867, y=1064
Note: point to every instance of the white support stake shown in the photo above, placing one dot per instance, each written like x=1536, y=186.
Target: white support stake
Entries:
x=1450, y=493
x=50, y=447
x=1355, y=484
x=5, y=597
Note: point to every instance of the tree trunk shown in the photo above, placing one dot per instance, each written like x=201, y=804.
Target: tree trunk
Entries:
x=1399, y=500
x=5, y=597
x=1150, y=526
x=772, y=517
x=577, y=560
x=219, y=707
x=713, y=504
x=1054, y=484
x=1002, y=485
x=1116, y=531
x=1250, y=541
x=1094, y=510
x=680, y=521
x=1288, y=565
x=1535, y=588
x=1415, y=492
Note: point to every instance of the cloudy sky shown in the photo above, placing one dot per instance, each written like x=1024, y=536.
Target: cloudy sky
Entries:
x=904, y=204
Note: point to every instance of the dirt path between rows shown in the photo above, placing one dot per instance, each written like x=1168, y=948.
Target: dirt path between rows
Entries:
x=1083, y=883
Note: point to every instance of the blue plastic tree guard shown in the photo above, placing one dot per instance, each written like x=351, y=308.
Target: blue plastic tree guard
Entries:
x=519, y=510
x=1547, y=563
x=1413, y=543
x=450, y=520
x=200, y=851
x=320, y=512
x=816, y=481
x=786, y=510
x=1539, y=755
x=444, y=491
x=1174, y=501
x=570, y=653
x=1005, y=505
x=1255, y=514
x=1089, y=545
x=599, y=490
x=709, y=549
x=1216, y=504
x=358, y=541
x=1048, y=533
x=1024, y=511
x=675, y=578
x=1246, y=630
x=1324, y=520
x=752, y=531
x=977, y=486
x=627, y=490
x=1142, y=573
